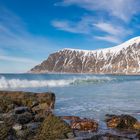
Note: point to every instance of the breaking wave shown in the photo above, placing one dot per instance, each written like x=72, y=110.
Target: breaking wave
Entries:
x=91, y=80
x=24, y=83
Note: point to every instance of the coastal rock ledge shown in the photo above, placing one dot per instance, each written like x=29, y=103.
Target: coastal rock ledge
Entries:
x=29, y=116
x=22, y=113
x=122, y=59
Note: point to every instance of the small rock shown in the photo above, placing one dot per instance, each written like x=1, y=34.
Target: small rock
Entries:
x=1, y=122
x=121, y=121
x=43, y=109
x=85, y=125
x=39, y=118
x=1, y=110
x=8, y=115
x=20, y=110
x=22, y=134
x=137, y=126
x=17, y=127
x=24, y=118
x=35, y=103
x=33, y=126
x=70, y=135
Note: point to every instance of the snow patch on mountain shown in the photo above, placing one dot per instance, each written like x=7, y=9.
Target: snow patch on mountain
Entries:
x=113, y=50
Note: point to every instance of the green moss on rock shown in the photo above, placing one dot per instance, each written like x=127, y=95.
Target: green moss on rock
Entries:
x=53, y=128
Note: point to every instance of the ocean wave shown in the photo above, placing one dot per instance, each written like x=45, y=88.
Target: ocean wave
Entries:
x=90, y=80
x=24, y=83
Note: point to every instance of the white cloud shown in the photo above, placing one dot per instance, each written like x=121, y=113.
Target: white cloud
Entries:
x=114, y=33
x=80, y=27
x=122, y=9
x=18, y=59
x=108, y=38
x=109, y=28
x=66, y=26
x=88, y=26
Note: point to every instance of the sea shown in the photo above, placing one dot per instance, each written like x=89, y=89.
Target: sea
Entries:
x=84, y=95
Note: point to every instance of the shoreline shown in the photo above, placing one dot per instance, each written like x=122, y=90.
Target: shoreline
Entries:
x=97, y=74
x=34, y=112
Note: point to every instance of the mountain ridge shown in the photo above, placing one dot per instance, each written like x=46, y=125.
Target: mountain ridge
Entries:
x=121, y=59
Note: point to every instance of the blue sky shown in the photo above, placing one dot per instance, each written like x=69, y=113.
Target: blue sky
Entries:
x=32, y=29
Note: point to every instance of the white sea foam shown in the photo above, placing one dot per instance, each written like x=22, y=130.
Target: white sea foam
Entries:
x=90, y=79
x=20, y=83
x=24, y=83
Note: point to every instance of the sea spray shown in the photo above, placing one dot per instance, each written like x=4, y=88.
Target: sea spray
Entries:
x=26, y=83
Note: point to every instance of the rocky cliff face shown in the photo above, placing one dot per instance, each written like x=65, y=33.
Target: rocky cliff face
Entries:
x=122, y=59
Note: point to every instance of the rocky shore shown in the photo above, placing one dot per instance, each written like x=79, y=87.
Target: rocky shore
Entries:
x=29, y=116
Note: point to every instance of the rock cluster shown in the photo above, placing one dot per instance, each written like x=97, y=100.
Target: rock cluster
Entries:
x=21, y=114
x=29, y=116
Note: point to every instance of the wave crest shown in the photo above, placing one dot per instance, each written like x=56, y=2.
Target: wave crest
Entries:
x=91, y=80
x=24, y=83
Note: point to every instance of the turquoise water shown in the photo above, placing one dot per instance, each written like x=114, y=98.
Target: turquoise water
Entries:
x=90, y=96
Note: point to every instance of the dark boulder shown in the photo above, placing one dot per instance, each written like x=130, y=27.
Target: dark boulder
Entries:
x=24, y=118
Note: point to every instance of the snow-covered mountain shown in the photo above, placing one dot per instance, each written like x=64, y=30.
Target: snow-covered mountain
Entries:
x=121, y=59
